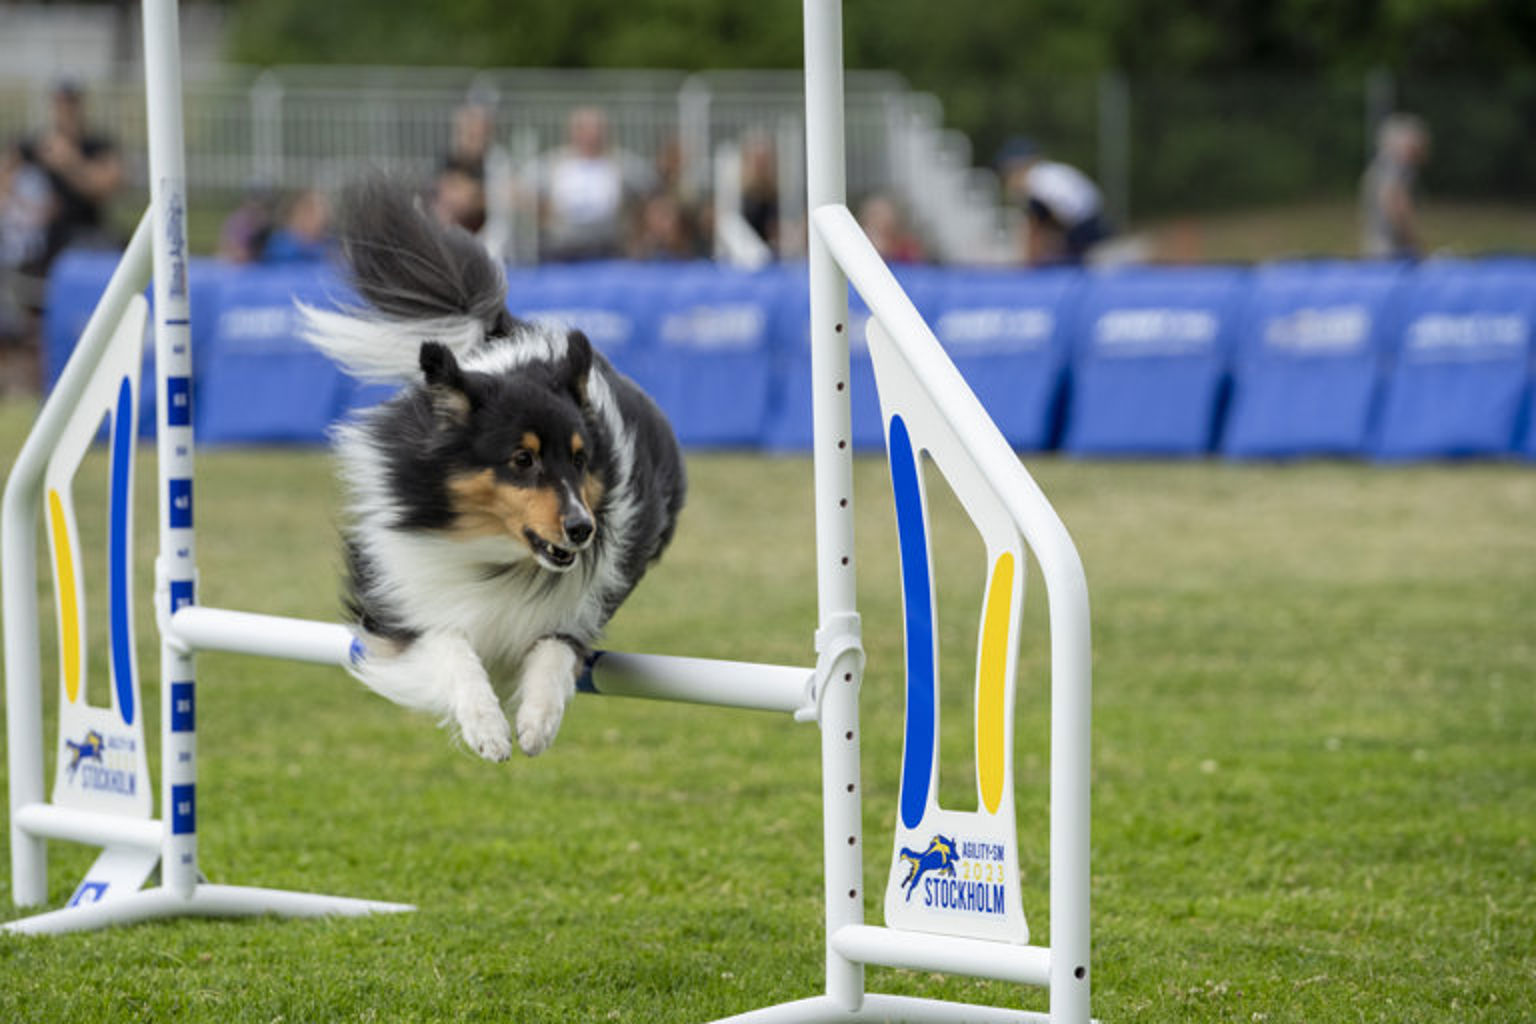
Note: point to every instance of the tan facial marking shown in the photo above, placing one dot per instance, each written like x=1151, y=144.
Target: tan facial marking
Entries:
x=530, y=440
x=485, y=507
x=591, y=491
x=576, y=443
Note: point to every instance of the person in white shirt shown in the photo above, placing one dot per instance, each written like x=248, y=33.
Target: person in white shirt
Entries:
x=1064, y=210
x=588, y=192
x=1389, y=221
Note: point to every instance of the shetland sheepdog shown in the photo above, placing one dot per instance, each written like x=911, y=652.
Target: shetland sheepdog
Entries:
x=504, y=503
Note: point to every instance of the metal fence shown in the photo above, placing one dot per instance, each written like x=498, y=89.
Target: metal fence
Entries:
x=1158, y=145
x=299, y=127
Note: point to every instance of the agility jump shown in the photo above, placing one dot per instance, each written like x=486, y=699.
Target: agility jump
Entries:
x=952, y=903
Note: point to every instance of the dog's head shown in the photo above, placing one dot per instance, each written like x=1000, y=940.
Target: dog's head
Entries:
x=525, y=462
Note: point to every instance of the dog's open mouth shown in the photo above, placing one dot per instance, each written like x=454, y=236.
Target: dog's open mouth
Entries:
x=550, y=556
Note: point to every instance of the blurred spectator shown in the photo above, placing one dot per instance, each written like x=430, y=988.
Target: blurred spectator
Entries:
x=473, y=133
x=459, y=191
x=669, y=169
x=305, y=234
x=1390, y=221
x=1063, y=208
x=458, y=195
x=244, y=233
x=588, y=191
x=760, y=188
x=26, y=205
x=672, y=222
x=666, y=231
x=83, y=169
x=475, y=187
x=883, y=222
x=55, y=189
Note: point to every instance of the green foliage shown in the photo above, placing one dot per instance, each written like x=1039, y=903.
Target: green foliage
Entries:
x=1286, y=77
x=966, y=44
x=1314, y=748
x=686, y=34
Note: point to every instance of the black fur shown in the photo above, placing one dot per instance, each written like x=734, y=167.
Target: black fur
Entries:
x=407, y=267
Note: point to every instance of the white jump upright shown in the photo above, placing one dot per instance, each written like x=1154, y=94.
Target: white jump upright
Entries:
x=953, y=901
x=102, y=792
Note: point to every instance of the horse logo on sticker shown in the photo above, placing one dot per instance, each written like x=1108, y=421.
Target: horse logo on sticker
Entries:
x=941, y=856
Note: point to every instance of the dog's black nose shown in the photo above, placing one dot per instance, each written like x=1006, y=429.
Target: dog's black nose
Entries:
x=579, y=531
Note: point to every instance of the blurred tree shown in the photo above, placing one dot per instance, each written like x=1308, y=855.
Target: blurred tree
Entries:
x=967, y=51
x=961, y=44
x=999, y=67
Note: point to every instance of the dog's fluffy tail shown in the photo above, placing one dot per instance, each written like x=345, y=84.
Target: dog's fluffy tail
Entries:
x=422, y=281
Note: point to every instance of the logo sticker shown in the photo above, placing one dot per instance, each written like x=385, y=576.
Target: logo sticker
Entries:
x=88, y=749
x=964, y=876
x=103, y=763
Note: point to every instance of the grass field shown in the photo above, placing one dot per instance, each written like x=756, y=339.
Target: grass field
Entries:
x=1314, y=757
x=1332, y=228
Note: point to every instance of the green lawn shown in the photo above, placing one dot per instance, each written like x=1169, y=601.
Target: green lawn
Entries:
x=1314, y=756
x=1332, y=228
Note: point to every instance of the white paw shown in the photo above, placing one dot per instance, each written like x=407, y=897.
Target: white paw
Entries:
x=485, y=729
x=537, y=723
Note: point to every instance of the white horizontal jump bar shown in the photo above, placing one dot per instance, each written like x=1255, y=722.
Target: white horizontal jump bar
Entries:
x=867, y=944
x=736, y=684
x=50, y=821
x=269, y=636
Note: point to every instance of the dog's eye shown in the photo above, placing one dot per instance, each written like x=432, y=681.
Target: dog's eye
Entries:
x=579, y=460
x=522, y=459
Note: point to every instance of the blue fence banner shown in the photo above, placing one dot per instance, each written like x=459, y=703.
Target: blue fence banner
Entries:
x=1461, y=371
x=76, y=283
x=612, y=303
x=709, y=363
x=1309, y=359
x=1150, y=360
x=1008, y=333
x=790, y=426
x=260, y=381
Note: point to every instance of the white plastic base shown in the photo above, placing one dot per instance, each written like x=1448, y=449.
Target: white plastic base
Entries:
x=205, y=901
x=892, y=1009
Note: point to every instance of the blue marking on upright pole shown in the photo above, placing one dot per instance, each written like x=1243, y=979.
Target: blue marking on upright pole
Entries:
x=181, y=503
x=119, y=586
x=183, y=707
x=181, y=595
x=178, y=401
x=183, y=810
x=917, y=600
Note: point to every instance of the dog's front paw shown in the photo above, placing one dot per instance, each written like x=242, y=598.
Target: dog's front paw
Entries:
x=537, y=723
x=548, y=683
x=485, y=730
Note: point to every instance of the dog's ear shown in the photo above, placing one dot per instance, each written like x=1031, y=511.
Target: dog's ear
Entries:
x=578, y=365
x=445, y=384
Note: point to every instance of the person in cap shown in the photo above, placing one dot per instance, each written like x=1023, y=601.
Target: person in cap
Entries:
x=1063, y=208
